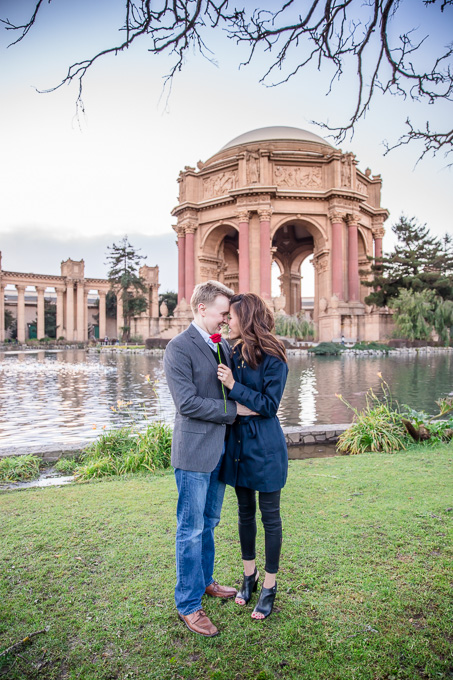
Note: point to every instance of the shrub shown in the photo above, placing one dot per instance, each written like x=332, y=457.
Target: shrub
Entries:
x=19, y=468
x=363, y=346
x=327, y=348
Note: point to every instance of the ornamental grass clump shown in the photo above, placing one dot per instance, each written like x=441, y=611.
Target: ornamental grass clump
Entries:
x=327, y=349
x=378, y=428
x=127, y=450
x=19, y=468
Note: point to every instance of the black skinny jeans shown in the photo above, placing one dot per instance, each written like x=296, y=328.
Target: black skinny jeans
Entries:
x=270, y=515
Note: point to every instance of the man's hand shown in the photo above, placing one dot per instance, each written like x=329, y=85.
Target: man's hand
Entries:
x=244, y=411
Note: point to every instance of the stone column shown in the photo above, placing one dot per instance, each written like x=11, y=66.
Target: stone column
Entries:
x=70, y=310
x=20, y=313
x=85, y=307
x=40, y=330
x=181, y=264
x=60, y=312
x=244, y=252
x=337, y=254
x=265, y=253
x=296, y=284
x=190, y=261
x=119, y=316
x=353, y=259
x=378, y=235
x=80, y=311
x=102, y=315
x=155, y=301
x=2, y=310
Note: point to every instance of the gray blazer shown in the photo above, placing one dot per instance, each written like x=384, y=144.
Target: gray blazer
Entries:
x=200, y=422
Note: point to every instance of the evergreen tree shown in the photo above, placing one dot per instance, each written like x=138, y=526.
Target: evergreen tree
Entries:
x=419, y=262
x=125, y=281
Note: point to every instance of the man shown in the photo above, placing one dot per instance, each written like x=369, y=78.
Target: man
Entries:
x=202, y=416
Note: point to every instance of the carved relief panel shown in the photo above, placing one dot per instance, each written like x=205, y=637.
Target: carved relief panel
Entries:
x=219, y=184
x=298, y=177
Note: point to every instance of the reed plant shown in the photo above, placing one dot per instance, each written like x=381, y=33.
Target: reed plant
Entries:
x=19, y=468
x=378, y=428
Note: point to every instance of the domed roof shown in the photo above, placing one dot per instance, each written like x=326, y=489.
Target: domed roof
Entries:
x=275, y=133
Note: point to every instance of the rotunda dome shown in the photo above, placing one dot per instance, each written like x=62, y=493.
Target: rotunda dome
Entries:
x=275, y=133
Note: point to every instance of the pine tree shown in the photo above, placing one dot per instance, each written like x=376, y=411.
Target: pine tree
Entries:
x=125, y=281
x=419, y=262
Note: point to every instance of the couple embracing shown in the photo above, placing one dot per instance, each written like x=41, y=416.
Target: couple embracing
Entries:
x=226, y=432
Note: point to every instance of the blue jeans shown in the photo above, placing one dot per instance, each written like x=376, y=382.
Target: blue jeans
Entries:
x=198, y=513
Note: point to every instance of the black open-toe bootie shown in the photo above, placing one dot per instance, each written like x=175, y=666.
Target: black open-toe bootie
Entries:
x=249, y=586
x=265, y=602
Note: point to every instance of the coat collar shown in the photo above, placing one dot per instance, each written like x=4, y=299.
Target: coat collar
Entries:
x=204, y=347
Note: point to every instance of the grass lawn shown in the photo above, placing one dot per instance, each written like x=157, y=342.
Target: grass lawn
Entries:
x=364, y=589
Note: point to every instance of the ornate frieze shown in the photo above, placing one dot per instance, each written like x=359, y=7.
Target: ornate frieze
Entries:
x=220, y=183
x=362, y=187
x=298, y=177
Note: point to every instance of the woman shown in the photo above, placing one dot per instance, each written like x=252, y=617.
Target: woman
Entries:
x=256, y=457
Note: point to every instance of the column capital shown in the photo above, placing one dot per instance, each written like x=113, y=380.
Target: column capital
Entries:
x=264, y=214
x=20, y=287
x=40, y=289
x=353, y=219
x=243, y=215
x=378, y=232
x=102, y=293
x=190, y=227
x=336, y=216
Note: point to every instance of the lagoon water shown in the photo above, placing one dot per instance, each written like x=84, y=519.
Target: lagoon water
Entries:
x=67, y=397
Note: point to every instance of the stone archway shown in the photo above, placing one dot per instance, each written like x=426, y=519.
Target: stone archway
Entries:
x=292, y=242
x=218, y=258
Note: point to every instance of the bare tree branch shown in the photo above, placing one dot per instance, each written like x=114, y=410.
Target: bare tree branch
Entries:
x=353, y=36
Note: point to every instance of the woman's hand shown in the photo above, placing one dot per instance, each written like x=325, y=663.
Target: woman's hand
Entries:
x=225, y=376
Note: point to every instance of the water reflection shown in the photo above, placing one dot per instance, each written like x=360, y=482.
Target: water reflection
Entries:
x=67, y=397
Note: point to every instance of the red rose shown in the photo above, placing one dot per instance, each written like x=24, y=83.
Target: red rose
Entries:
x=215, y=337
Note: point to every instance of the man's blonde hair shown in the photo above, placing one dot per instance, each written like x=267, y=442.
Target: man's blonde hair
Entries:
x=207, y=292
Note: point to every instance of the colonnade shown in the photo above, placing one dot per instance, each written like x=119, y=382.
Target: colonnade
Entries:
x=71, y=312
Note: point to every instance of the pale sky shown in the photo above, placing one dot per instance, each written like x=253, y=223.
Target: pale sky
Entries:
x=69, y=188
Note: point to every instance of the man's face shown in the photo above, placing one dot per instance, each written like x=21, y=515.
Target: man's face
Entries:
x=212, y=317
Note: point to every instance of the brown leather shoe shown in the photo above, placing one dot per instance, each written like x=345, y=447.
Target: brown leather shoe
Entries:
x=199, y=623
x=214, y=589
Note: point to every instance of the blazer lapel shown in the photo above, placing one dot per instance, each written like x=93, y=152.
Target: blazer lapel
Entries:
x=202, y=345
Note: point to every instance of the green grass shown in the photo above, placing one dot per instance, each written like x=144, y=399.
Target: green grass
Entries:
x=364, y=586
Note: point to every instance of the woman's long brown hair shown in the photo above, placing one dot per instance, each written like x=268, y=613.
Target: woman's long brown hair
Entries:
x=256, y=323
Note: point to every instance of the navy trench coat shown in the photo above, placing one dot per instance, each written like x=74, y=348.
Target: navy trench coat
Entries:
x=256, y=455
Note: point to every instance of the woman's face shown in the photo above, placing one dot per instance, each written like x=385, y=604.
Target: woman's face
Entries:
x=233, y=324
